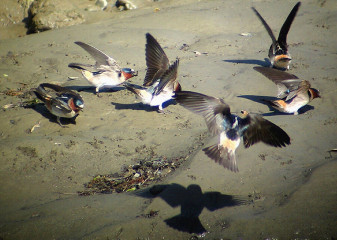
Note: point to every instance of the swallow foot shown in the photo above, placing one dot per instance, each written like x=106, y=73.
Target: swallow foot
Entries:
x=162, y=111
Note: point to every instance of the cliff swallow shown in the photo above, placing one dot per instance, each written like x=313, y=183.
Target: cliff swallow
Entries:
x=230, y=128
x=293, y=92
x=105, y=73
x=161, y=90
x=278, y=51
x=59, y=101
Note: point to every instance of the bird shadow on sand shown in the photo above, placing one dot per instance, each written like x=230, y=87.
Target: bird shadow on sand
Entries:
x=90, y=89
x=265, y=63
x=191, y=201
x=264, y=100
x=141, y=106
x=41, y=109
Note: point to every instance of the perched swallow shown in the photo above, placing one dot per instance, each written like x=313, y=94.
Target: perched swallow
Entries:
x=59, y=101
x=278, y=51
x=231, y=128
x=161, y=90
x=105, y=73
x=293, y=92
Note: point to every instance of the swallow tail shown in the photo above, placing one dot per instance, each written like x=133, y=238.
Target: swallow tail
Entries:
x=131, y=88
x=222, y=156
x=41, y=94
x=278, y=104
x=186, y=224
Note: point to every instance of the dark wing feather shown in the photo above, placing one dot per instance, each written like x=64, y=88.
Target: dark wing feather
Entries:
x=265, y=24
x=211, y=108
x=52, y=99
x=61, y=103
x=286, y=83
x=100, y=57
x=168, y=78
x=260, y=129
x=282, y=38
x=60, y=91
x=156, y=60
x=274, y=74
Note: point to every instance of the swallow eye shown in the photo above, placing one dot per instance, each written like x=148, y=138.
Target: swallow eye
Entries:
x=242, y=111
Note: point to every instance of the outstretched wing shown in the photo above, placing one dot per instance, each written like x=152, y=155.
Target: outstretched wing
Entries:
x=212, y=109
x=282, y=38
x=259, y=129
x=156, y=60
x=287, y=84
x=168, y=78
x=266, y=26
x=100, y=57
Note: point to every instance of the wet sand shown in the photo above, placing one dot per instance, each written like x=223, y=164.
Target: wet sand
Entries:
x=294, y=188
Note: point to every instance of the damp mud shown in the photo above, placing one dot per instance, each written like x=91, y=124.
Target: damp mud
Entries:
x=278, y=193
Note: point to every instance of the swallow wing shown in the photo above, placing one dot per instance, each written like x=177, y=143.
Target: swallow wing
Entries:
x=212, y=109
x=61, y=103
x=156, y=60
x=57, y=91
x=168, y=78
x=282, y=38
x=259, y=129
x=287, y=84
x=100, y=57
x=266, y=26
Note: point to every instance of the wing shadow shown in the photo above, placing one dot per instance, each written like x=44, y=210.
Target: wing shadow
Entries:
x=191, y=201
x=91, y=89
x=265, y=63
x=141, y=106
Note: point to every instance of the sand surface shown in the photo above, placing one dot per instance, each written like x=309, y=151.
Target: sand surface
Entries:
x=294, y=188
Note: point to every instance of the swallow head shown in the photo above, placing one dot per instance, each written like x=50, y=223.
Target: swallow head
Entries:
x=244, y=113
x=314, y=93
x=79, y=103
x=76, y=105
x=129, y=73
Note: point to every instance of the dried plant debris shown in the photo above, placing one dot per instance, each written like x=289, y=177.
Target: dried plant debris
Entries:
x=132, y=177
x=24, y=104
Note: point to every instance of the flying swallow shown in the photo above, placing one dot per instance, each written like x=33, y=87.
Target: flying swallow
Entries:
x=278, y=51
x=230, y=128
x=161, y=90
x=294, y=93
x=105, y=73
x=59, y=101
